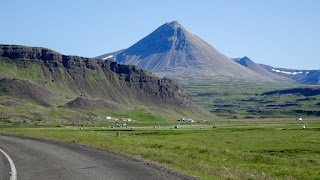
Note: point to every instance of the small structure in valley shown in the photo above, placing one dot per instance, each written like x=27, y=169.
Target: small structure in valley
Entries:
x=299, y=119
x=186, y=120
x=126, y=119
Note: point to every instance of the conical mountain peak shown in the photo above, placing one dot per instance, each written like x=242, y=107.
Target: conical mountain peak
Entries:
x=173, y=51
x=169, y=36
x=245, y=60
x=173, y=24
x=171, y=29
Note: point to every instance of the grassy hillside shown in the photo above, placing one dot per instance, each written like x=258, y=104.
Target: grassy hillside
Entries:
x=38, y=83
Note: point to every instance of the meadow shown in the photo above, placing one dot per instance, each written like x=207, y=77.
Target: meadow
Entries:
x=247, y=101
x=236, y=149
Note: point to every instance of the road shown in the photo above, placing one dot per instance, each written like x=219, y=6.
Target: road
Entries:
x=48, y=159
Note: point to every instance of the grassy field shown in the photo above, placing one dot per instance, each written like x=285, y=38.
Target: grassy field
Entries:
x=29, y=113
x=245, y=100
x=236, y=149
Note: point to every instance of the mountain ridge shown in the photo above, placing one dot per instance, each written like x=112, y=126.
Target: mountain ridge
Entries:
x=69, y=78
x=246, y=62
x=309, y=77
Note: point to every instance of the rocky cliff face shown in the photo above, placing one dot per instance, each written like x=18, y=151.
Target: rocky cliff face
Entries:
x=73, y=76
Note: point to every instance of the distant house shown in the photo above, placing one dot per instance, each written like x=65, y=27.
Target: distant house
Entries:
x=126, y=119
x=185, y=120
x=107, y=117
x=182, y=119
x=299, y=119
x=115, y=119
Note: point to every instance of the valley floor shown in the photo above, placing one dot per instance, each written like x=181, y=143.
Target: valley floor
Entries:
x=238, y=101
x=236, y=149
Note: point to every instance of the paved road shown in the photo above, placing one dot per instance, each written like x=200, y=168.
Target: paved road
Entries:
x=48, y=159
x=4, y=167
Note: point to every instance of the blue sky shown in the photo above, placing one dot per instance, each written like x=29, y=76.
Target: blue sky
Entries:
x=281, y=33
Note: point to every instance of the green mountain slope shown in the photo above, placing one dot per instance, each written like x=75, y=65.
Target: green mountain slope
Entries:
x=28, y=72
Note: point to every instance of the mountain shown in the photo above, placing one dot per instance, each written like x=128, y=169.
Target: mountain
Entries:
x=47, y=80
x=246, y=62
x=309, y=77
x=172, y=51
x=313, y=78
x=110, y=56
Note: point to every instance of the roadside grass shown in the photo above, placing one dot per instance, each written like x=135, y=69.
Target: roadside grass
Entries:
x=237, y=149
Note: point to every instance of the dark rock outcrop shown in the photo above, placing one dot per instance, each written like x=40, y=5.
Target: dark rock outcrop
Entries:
x=307, y=112
x=298, y=91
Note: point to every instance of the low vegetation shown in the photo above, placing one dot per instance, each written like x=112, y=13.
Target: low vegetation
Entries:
x=249, y=101
x=236, y=149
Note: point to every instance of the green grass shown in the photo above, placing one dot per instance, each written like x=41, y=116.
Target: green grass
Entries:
x=237, y=149
x=29, y=114
x=243, y=100
x=95, y=77
x=31, y=72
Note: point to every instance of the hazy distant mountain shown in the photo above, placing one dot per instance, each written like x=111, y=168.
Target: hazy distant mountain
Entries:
x=172, y=51
x=245, y=61
x=311, y=77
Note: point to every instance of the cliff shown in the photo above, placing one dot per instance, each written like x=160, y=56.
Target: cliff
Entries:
x=71, y=77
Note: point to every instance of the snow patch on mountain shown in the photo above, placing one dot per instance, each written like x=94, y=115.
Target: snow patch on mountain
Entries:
x=289, y=73
x=108, y=57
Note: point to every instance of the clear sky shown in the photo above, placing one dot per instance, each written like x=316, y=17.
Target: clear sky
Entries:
x=281, y=33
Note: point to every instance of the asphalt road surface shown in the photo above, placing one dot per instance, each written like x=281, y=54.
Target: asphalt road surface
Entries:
x=44, y=159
